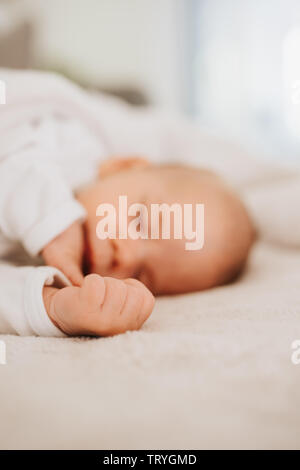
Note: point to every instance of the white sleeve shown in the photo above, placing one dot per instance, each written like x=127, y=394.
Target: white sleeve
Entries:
x=36, y=204
x=22, y=309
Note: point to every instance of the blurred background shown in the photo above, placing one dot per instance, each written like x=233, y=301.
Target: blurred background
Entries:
x=233, y=65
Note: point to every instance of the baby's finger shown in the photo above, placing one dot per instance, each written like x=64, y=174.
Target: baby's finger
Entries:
x=139, y=305
x=93, y=291
x=73, y=273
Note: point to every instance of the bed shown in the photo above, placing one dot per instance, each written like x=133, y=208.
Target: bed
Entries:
x=208, y=370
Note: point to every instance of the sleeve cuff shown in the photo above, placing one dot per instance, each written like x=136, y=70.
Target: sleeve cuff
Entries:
x=52, y=225
x=35, y=311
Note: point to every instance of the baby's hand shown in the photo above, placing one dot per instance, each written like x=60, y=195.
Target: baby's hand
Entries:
x=65, y=252
x=103, y=306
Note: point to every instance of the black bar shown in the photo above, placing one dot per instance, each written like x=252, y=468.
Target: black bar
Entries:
x=91, y=459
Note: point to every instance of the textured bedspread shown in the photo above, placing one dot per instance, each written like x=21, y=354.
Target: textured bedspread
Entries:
x=208, y=370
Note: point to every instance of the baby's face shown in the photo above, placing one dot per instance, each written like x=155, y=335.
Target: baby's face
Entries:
x=165, y=266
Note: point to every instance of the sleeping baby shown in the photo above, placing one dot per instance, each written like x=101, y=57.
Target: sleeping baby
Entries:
x=54, y=174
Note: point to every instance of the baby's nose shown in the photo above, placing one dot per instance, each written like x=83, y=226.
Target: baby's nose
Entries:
x=127, y=257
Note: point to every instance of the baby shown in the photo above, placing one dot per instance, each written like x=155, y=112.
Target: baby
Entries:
x=51, y=187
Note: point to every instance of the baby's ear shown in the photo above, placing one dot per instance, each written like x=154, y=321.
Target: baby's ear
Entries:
x=116, y=164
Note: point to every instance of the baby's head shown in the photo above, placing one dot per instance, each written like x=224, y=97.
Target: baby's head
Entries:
x=165, y=266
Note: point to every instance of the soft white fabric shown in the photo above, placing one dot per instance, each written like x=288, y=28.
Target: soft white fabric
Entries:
x=22, y=308
x=274, y=207
x=207, y=370
x=36, y=204
x=40, y=163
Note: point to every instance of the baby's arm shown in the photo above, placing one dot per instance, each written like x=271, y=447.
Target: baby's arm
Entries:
x=40, y=301
x=36, y=203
